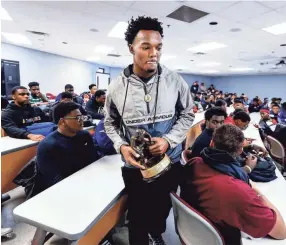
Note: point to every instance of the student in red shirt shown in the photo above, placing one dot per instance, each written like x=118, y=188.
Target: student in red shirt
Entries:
x=218, y=187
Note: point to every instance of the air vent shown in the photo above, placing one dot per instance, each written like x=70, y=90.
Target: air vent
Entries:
x=187, y=14
x=114, y=55
x=38, y=33
x=199, y=53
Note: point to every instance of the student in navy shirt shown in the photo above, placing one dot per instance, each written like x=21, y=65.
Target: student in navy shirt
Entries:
x=214, y=118
x=66, y=150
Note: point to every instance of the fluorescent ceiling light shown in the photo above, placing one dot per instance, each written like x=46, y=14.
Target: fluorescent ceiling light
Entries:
x=4, y=15
x=241, y=69
x=276, y=29
x=207, y=47
x=210, y=71
x=167, y=57
x=118, y=30
x=16, y=38
x=93, y=58
x=103, y=49
x=207, y=64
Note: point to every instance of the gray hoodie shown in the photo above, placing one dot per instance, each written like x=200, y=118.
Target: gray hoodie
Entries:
x=169, y=115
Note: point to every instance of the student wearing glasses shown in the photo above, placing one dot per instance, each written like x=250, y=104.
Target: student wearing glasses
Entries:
x=20, y=115
x=66, y=150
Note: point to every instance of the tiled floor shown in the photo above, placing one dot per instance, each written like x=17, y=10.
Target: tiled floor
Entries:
x=23, y=233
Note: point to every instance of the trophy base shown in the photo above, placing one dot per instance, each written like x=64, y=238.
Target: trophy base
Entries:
x=162, y=166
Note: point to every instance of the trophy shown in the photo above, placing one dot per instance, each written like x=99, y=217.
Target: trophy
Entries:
x=155, y=166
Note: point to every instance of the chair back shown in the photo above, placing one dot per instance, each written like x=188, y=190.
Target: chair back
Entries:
x=192, y=227
x=276, y=148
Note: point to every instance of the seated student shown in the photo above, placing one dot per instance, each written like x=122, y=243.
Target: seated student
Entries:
x=210, y=102
x=241, y=119
x=101, y=140
x=254, y=106
x=266, y=123
x=222, y=104
x=19, y=115
x=219, y=188
x=66, y=150
x=65, y=97
x=229, y=119
x=36, y=96
x=69, y=88
x=214, y=118
x=94, y=106
x=265, y=104
x=238, y=103
x=274, y=112
x=92, y=89
x=282, y=114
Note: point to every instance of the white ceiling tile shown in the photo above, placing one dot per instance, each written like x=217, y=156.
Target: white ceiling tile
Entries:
x=209, y=6
x=71, y=22
x=266, y=20
x=156, y=8
x=282, y=10
x=273, y=4
x=243, y=10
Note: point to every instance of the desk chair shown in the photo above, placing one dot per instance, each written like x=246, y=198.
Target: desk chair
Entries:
x=191, y=226
x=277, y=151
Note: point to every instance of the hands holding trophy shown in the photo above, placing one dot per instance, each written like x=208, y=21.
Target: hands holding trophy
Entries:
x=150, y=153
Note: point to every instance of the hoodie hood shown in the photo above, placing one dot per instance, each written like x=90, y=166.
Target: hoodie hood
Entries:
x=225, y=163
x=215, y=156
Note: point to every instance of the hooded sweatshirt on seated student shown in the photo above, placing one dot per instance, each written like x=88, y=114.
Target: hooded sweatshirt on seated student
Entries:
x=218, y=188
x=14, y=118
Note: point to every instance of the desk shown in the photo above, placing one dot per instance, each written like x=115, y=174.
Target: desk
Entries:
x=15, y=153
x=96, y=189
x=274, y=190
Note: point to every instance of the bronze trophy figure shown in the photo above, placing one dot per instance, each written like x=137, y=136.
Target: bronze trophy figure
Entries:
x=155, y=166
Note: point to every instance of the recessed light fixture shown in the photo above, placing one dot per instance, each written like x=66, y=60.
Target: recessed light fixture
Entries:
x=276, y=29
x=17, y=38
x=4, y=15
x=207, y=64
x=235, y=30
x=103, y=49
x=167, y=57
x=213, y=23
x=93, y=58
x=207, y=47
x=283, y=45
x=65, y=43
x=241, y=69
x=118, y=30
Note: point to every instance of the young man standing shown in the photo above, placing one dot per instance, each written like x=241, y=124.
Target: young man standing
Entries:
x=19, y=114
x=66, y=150
x=219, y=188
x=36, y=97
x=94, y=106
x=148, y=96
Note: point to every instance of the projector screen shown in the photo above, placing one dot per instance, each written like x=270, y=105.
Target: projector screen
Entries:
x=102, y=80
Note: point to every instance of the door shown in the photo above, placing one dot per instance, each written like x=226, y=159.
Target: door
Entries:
x=10, y=72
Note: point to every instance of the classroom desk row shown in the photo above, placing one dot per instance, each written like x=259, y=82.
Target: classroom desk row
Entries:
x=98, y=190
x=274, y=191
x=15, y=153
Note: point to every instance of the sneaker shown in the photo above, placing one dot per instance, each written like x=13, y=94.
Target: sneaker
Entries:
x=157, y=240
x=5, y=231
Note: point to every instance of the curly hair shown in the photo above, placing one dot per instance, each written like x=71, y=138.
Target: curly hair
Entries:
x=142, y=23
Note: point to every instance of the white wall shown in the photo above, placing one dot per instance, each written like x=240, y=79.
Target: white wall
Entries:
x=51, y=71
x=261, y=85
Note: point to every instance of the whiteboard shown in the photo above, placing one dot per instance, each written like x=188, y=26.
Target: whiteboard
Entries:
x=102, y=80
